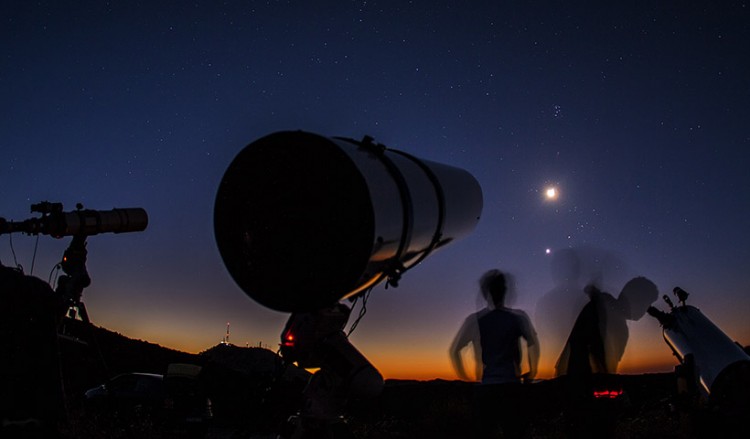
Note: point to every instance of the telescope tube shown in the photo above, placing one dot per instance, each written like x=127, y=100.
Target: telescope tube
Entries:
x=302, y=221
x=718, y=361
x=81, y=222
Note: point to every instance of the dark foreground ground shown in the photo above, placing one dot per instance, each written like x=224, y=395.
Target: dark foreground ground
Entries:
x=431, y=409
x=253, y=396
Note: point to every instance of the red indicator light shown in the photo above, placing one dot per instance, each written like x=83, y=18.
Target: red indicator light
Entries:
x=289, y=339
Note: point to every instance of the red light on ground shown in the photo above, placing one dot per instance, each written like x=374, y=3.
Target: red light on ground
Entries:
x=611, y=394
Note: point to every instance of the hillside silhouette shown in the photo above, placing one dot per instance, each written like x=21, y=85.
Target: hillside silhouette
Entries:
x=254, y=392
x=249, y=387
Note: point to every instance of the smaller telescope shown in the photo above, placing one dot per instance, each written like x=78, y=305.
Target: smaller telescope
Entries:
x=87, y=222
x=713, y=368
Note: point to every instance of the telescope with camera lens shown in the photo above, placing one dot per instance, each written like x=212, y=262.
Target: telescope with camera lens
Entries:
x=56, y=223
x=302, y=220
x=80, y=224
x=39, y=316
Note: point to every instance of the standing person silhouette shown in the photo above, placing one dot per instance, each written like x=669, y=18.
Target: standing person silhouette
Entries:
x=593, y=351
x=497, y=331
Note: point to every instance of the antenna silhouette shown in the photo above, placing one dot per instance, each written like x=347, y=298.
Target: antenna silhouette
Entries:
x=225, y=340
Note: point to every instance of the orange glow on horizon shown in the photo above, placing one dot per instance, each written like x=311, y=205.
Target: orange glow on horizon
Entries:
x=418, y=355
x=415, y=371
x=411, y=361
x=424, y=367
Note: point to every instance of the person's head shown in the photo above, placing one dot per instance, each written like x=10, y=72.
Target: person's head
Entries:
x=494, y=287
x=636, y=296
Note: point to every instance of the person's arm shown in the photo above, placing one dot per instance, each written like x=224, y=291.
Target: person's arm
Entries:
x=596, y=327
x=594, y=330
x=596, y=346
x=462, y=340
x=532, y=347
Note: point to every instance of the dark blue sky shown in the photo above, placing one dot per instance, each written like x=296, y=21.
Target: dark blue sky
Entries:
x=637, y=112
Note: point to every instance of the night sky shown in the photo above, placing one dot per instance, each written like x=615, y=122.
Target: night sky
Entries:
x=637, y=112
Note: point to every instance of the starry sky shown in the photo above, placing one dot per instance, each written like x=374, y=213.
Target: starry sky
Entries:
x=637, y=112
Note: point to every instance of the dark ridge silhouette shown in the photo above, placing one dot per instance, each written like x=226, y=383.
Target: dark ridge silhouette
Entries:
x=249, y=387
x=256, y=361
x=253, y=394
x=95, y=354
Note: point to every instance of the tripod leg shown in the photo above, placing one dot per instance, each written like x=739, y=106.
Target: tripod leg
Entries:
x=83, y=313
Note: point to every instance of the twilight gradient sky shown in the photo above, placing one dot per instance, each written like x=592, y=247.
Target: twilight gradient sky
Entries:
x=637, y=111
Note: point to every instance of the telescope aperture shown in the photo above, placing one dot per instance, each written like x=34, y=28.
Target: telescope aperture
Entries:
x=293, y=221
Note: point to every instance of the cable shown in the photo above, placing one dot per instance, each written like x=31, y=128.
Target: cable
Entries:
x=33, y=257
x=13, y=251
x=362, y=311
x=56, y=271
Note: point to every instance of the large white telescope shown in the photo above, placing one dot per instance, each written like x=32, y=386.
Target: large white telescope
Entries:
x=303, y=220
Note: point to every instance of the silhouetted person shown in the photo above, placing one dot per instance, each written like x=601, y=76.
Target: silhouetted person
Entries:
x=497, y=331
x=594, y=349
x=557, y=309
